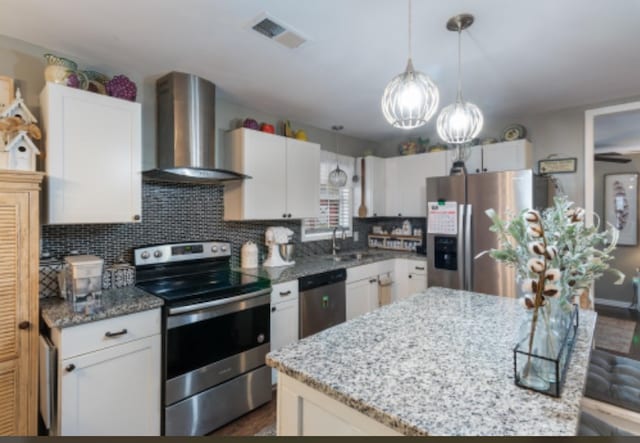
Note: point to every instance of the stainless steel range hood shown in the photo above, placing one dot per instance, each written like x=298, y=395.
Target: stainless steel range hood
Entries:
x=186, y=132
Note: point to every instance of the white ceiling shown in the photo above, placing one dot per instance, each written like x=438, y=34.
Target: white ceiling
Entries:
x=519, y=58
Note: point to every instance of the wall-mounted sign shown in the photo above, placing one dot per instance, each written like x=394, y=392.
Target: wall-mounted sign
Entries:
x=557, y=165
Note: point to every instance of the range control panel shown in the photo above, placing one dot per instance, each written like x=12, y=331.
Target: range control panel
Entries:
x=176, y=252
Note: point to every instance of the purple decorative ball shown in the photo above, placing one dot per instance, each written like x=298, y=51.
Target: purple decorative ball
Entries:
x=121, y=87
x=73, y=81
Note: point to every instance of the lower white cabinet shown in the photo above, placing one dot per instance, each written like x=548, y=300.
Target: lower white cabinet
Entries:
x=109, y=377
x=362, y=297
x=284, y=317
x=364, y=291
x=411, y=277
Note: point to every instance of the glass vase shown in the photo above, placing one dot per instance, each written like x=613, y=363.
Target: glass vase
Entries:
x=533, y=370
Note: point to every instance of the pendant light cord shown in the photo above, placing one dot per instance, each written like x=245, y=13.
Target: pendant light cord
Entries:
x=459, y=95
x=409, y=27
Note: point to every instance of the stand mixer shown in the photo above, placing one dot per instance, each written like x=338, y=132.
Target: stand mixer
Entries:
x=275, y=237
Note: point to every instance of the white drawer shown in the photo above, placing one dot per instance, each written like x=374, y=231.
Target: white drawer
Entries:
x=417, y=267
x=89, y=337
x=283, y=292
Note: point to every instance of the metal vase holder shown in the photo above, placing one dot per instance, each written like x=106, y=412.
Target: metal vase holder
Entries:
x=558, y=363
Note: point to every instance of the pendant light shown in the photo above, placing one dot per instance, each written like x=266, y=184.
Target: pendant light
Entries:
x=411, y=98
x=461, y=121
x=337, y=177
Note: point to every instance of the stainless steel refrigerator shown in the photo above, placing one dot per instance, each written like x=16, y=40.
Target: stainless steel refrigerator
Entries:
x=462, y=232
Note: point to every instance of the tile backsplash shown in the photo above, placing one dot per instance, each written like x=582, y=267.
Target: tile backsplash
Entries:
x=185, y=212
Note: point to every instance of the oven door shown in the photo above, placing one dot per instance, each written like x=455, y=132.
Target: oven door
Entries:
x=212, y=342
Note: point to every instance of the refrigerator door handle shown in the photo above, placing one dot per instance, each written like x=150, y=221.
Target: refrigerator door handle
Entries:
x=460, y=247
x=468, y=249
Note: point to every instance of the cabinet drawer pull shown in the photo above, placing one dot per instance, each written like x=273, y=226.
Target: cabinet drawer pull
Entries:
x=24, y=325
x=420, y=268
x=136, y=217
x=273, y=309
x=373, y=280
x=286, y=293
x=410, y=276
x=70, y=367
x=110, y=334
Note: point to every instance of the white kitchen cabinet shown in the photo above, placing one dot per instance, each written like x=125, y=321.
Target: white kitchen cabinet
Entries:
x=109, y=385
x=93, y=157
x=363, y=290
x=285, y=176
x=362, y=297
x=410, y=277
x=406, y=182
x=375, y=186
x=284, y=317
x=507, y=156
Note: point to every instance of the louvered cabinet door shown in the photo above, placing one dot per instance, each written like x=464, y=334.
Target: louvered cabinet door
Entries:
x=16, y=371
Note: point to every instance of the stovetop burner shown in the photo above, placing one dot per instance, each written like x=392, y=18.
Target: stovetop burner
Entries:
x=205, y=286
x=189, y=273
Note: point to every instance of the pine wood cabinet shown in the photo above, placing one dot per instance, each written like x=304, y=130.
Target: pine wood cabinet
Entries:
x=19, y=243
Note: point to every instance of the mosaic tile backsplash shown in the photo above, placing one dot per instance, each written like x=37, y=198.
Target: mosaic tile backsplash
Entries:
x=186, y=212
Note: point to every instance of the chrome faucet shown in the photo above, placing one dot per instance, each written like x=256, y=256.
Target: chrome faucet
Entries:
x=334, y=247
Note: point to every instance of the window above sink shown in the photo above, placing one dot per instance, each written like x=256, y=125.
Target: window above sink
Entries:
x=336, y=204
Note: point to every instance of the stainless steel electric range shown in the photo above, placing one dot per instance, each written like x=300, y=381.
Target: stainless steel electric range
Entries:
x=215, y=334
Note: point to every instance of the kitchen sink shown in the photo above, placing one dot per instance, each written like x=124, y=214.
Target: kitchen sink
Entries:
x=356, y=256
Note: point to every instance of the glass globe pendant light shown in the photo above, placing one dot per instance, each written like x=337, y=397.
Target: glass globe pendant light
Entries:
x=461, y=121
x=337, y=178
x=411, y=98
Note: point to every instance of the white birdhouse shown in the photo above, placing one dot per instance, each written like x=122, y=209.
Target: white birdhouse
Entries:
x=18, y=109
x=20, y=153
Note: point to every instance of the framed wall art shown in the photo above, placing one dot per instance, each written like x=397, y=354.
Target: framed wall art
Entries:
x=621, y=205
x=6, y=91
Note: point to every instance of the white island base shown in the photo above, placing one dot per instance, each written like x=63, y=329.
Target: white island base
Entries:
x=305, y=411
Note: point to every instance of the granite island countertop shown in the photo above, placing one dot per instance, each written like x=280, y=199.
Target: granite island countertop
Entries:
x=321, y=263
x=438, y=363
x=59, y=313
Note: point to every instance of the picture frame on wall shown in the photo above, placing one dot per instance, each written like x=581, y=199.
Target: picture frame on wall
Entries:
x=621, y=205
x=6, y=91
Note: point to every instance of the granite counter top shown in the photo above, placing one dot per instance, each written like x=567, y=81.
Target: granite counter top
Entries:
x=438, y=363
x=322, y=263
x=58, y=313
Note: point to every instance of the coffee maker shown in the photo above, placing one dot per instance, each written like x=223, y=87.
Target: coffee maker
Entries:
x=277, y=239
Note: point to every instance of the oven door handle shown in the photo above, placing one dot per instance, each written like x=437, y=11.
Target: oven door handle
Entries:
x=214, y=303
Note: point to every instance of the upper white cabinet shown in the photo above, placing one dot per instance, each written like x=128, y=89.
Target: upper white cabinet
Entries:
x=505, y=156
x=406, y=182
x=93, y=157
x=374, y=186
x=285, y=176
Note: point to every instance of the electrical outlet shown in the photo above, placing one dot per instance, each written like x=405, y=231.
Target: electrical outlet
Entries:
x=356, y=236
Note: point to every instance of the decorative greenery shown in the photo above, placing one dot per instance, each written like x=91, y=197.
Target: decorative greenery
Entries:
x=555, y=254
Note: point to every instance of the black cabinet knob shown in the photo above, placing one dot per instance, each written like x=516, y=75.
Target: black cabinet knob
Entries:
x=484, y=169
x=136, y=217
x=289, y=216
x=70, y=367
x=273, y=309
x=410, y=276
x=477, y=169
x=24, y=325
x=284, y=215
x=399, y=214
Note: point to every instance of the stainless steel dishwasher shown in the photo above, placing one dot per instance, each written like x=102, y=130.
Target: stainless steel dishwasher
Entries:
x=322, y=301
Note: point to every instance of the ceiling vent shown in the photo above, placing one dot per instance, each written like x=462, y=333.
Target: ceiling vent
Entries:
x=278, y=32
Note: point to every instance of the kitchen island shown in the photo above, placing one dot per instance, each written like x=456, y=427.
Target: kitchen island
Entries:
x=438, y=363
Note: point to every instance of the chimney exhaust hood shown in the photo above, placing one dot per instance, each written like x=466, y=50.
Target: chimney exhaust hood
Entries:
x=186, y=132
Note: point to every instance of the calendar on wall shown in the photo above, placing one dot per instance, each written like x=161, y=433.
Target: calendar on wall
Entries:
x=442, y=218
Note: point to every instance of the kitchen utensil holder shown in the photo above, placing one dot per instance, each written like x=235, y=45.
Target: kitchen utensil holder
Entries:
x=560, y=361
